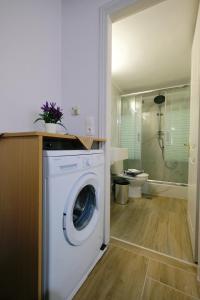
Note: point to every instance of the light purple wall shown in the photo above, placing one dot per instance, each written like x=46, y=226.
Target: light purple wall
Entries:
x=30, y=60
x=80, y=36
x=31, y=51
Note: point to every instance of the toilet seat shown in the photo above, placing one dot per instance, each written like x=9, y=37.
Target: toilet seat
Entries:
x=137, y=177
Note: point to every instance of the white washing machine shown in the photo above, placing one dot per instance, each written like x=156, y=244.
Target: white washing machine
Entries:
x=73, y=219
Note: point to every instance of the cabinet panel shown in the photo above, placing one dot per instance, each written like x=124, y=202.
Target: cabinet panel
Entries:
x=20, y=217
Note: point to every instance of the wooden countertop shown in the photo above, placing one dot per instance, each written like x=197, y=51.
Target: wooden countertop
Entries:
x=51, y=135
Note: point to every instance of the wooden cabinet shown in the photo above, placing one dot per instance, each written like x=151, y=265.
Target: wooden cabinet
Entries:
x=21, y=211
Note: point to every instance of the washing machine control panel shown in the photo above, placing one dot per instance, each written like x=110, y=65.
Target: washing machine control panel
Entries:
x=67, y=164
x=93, y=160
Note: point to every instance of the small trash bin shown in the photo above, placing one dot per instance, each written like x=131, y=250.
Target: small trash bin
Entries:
x=121, y=190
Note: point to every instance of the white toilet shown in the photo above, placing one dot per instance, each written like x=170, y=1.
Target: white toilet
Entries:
x=136, y=182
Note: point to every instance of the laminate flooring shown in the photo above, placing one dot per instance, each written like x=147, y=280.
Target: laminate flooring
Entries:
x=159, y=224
x=128, y=272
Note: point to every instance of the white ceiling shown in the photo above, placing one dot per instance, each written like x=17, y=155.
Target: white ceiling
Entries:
x=152, y=49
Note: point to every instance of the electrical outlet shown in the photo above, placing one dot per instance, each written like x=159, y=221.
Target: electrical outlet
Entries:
x=90, y=126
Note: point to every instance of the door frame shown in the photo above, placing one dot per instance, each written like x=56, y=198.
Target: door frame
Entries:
x=112, y=11
x=194, y=84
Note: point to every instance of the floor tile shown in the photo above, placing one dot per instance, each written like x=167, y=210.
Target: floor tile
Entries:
x=160, y=257
x=119, y=275
x=174, y=277
x=154, y=290
x=159, y=224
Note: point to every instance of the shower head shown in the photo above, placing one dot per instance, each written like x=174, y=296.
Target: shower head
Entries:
x=159, y=99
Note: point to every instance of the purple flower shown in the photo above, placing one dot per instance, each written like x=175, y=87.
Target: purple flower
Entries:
x=45, y=107
x=51, y=113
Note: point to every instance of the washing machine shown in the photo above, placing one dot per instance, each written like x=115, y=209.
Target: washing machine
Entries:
x=73, y=219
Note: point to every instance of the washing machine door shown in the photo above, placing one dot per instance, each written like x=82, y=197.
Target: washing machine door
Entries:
x=81, y=212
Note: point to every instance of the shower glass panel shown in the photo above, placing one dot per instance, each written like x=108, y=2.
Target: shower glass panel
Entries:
x=177, y=134
x=131, y=130
x=156, y=134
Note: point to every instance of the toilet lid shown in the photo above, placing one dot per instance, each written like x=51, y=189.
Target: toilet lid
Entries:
x=142, y=175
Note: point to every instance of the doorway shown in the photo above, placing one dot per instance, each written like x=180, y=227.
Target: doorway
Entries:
x=160, y=200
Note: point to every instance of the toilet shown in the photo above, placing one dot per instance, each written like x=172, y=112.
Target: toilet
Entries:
x=136, y=182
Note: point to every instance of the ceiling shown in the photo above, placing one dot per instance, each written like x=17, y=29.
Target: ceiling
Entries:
x=152, y=49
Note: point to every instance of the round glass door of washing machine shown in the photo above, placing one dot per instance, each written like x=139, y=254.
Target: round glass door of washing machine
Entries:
x=81, y=212
x=84, y=207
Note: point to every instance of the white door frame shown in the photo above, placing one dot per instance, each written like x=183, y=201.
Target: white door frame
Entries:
x=109, y=12
x=194, y=145
x=112, y=11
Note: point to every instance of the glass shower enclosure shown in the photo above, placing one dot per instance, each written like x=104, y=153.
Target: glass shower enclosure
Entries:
x=156, y=133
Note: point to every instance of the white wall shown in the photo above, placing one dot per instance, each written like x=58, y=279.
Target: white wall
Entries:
x=30, y=60
x=116, y=116
x=80, y=33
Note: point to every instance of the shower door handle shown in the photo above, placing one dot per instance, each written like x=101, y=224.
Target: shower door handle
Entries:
x=190, y=146
x=187, y=145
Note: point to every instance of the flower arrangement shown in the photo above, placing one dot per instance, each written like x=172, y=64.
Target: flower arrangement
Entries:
x=51, y=114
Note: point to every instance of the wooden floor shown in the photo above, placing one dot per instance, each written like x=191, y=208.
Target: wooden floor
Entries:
x=159, y=224
x=124, y=273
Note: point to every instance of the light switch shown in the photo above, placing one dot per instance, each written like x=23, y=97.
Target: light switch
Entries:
x=75, y=111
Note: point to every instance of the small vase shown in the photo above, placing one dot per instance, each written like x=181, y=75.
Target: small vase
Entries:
x=51, y=127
